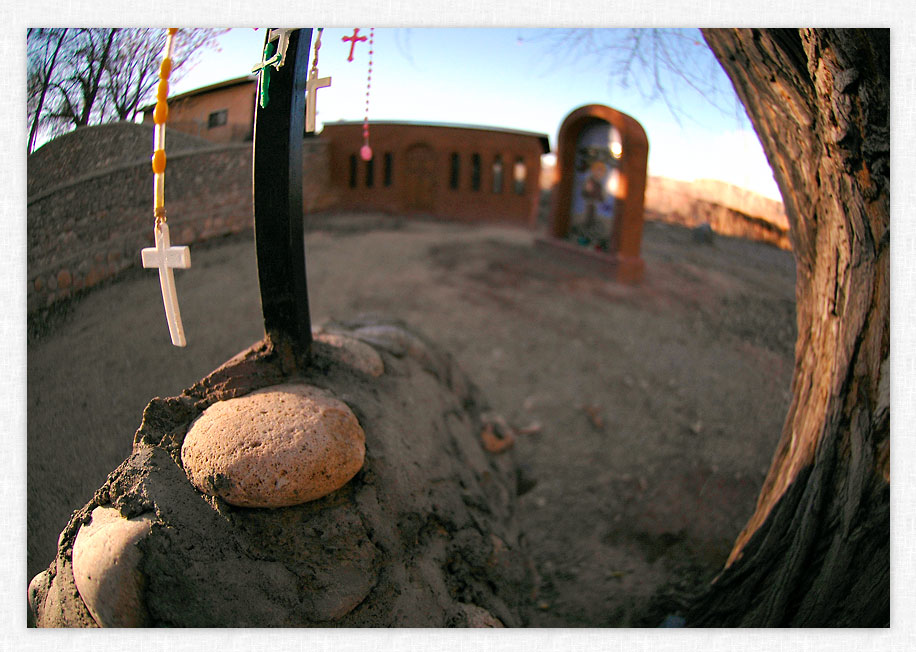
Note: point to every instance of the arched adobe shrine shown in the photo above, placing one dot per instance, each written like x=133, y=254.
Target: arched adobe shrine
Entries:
x=597, y=212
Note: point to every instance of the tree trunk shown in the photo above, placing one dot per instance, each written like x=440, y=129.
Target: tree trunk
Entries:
x=816, y=551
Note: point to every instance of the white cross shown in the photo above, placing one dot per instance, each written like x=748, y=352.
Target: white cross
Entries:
x=311, y=89
x=165, y=257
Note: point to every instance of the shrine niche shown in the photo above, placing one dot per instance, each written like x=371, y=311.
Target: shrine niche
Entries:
x=597, y=213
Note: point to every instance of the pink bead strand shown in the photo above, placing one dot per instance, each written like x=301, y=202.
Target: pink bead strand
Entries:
x=366, y=152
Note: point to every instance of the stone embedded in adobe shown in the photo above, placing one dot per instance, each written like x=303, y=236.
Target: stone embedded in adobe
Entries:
x=352, y=352
x=279, y=446
x=479, y=617
x=105, y=567
x=64, y=279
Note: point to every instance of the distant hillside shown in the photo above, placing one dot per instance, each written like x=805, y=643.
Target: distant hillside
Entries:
x=728, y=209
x=739, y=199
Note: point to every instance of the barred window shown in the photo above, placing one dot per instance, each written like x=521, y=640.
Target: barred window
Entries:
x=498, y=174
x=455, y=171
x=389, y=162
x=352, y=170
x=475, y=172
x=217, y=118
x=519, y=172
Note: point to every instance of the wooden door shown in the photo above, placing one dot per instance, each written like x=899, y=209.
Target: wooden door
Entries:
x=421, y=177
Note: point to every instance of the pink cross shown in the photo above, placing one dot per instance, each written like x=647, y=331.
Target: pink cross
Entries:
x=353, y=39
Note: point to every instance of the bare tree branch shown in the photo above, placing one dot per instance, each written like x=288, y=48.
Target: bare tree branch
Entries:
x=41, y=68
x=655, y=62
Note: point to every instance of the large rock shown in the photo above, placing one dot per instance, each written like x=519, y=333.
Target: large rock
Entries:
x=423, y=535
x=279, y=446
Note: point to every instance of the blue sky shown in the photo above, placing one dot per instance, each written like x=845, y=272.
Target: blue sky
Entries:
x=511, y=78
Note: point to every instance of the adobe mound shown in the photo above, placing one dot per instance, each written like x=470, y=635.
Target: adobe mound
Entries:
x=424, y=534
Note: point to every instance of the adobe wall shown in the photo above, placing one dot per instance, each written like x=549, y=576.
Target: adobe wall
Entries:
x=89, y=209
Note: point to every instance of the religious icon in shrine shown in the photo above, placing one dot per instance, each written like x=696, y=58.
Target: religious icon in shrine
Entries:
x=598, y=201
x=597, y=179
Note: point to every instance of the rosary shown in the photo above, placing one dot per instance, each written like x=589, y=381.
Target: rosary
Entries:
x=164, y=256
x=365, y=151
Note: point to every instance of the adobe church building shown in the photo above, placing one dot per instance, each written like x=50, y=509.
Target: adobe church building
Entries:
x=461, y=172
x=458, y=172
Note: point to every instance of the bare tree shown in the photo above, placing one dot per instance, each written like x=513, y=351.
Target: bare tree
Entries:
x=43, y=48
x=107, y=73
x=659, y=63
x=132, y=70
x=78, y=87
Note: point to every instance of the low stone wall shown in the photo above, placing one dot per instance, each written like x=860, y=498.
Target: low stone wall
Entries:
x=94, y=149
x=87, y=227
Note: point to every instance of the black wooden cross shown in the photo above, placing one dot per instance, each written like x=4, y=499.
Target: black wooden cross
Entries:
x=277, y=189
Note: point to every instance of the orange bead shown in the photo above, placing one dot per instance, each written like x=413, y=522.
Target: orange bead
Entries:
x=166, y=68
x=172, y=30
x=161, y=113
x=159, y=161
x=162, y=91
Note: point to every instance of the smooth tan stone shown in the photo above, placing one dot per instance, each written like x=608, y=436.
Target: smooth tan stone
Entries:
x=276, y=447
x=354, y=353
x=38, y=592
x=480, y=617
x=105, y=567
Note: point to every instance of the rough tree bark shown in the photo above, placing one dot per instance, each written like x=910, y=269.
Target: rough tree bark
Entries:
x=816, y=551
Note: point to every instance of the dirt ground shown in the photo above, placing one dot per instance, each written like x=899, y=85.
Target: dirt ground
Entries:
x=659, y=405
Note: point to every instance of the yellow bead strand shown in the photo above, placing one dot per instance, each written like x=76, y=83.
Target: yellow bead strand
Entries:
x=160, y=117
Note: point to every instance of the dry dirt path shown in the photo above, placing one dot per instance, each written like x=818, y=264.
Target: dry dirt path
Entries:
x=660, y=405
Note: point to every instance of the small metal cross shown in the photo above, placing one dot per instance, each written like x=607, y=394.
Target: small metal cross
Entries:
x=273, y=55
x=353, y=39
x=311, y=89
x=166, y=257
